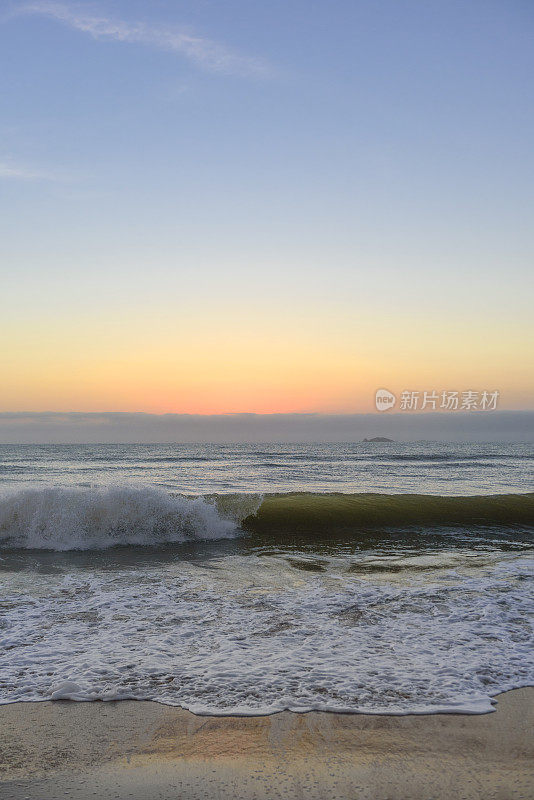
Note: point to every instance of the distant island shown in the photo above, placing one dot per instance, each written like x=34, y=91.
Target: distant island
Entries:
x=379, y=439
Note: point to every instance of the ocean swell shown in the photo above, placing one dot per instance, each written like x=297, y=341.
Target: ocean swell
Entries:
x=323, y=513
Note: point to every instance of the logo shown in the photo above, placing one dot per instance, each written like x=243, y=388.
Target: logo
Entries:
x=384, y=400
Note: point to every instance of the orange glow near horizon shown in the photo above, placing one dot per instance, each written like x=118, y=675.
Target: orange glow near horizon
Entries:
x=256, y=365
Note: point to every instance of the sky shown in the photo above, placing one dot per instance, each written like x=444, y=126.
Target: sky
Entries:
x=226, y=206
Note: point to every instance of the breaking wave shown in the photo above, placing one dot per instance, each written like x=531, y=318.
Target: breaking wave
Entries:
x=85, y=518
x=93, y=519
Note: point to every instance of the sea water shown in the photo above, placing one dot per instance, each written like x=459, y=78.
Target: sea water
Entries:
x=370, y=577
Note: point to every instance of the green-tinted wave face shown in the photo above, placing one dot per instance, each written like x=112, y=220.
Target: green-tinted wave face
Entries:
x=338, y=513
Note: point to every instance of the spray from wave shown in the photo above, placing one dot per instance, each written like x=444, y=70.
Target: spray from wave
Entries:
x=86, y=519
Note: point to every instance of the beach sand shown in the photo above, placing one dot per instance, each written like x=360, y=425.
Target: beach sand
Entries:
x=143, y=750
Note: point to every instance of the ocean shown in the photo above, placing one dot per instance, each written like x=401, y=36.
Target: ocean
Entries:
x=247, y=579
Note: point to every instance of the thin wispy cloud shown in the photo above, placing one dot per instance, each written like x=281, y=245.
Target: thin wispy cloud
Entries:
x=206, y=53
x=24, y=173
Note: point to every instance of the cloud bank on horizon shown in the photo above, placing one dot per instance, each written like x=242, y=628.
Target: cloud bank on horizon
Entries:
x=124, y=428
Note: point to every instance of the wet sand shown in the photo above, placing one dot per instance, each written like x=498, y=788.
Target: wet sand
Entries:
x=142, y=750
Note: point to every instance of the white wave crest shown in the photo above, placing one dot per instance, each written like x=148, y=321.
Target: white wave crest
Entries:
x=87, y=519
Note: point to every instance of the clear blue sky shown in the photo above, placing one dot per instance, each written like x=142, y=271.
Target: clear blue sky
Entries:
x=232, y=152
